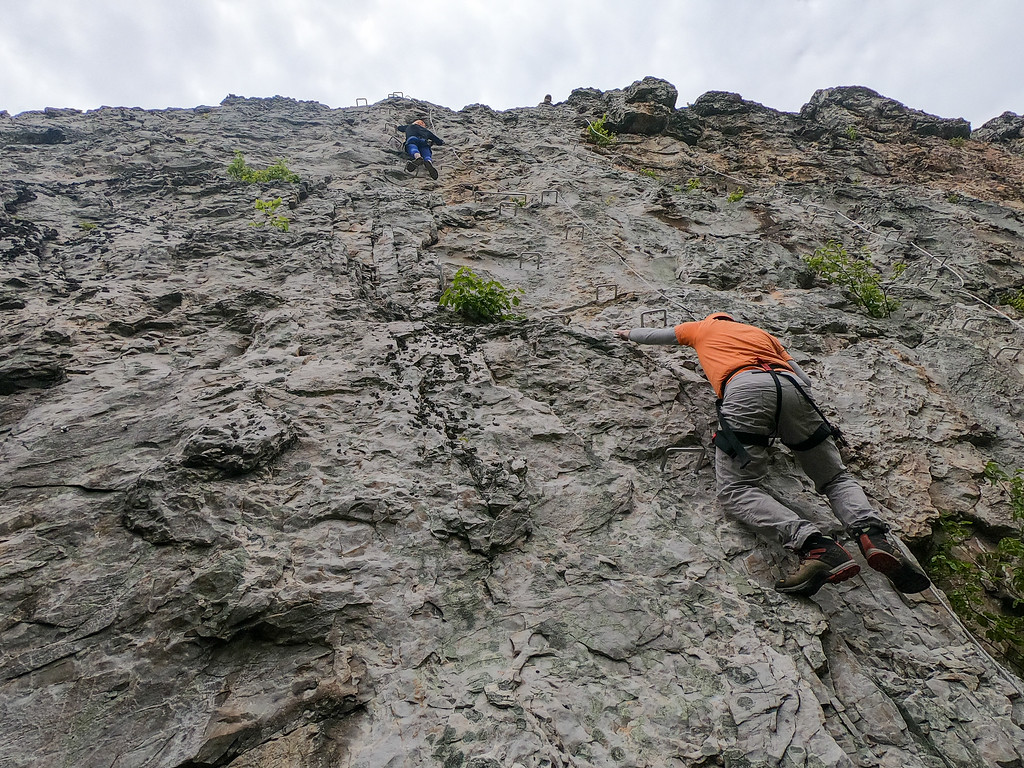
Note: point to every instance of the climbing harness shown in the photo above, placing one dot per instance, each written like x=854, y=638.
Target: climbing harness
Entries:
x=734, y=442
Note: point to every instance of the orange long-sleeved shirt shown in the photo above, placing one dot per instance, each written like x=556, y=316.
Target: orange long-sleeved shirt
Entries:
x=724, y=346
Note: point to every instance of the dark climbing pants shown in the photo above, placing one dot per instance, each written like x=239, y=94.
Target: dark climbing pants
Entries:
x=416, y=146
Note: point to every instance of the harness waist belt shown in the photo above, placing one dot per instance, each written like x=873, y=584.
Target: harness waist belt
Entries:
x=771, y=367
x=733, y=442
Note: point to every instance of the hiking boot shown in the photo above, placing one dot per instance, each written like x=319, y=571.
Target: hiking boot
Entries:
x=822, y=561
x=430, y=169
x=411, y=166
x=888, y=558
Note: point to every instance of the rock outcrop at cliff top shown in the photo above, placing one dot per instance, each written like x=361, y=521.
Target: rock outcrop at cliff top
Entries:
x=265, y=504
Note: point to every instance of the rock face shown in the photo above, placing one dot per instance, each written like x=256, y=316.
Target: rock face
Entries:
x=264, y=503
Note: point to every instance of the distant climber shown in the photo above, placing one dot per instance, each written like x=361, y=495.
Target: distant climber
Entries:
x=418, y=141
x=762, y=397
x=547, y=100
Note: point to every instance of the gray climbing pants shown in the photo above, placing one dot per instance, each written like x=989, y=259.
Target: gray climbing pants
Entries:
x=749, y=406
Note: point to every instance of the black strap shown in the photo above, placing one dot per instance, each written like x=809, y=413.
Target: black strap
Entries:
x=820, y=435
x=732, y=442
x=833, y=432
x=729, y=441
x=778, y=405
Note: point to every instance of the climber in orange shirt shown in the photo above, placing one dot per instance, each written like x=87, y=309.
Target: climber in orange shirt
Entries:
x=761, y=399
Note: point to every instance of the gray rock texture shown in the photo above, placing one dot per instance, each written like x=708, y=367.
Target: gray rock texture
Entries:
x=264, y=503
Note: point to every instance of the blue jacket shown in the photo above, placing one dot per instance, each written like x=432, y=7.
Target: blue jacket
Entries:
x=419, y=132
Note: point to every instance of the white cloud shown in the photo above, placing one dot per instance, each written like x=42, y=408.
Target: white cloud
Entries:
x=935, y=55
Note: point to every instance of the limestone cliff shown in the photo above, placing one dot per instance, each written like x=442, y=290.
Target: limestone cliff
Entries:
x=264, y=503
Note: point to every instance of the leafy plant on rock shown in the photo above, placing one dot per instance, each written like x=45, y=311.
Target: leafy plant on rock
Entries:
x=649, y=173
x=479, y=300
x=598, y=134
x=693, y=183
x=1015, y=300
x=277, y=172
x=857, y=274
x=736, y=195
x=986, y=590
x=269, y=209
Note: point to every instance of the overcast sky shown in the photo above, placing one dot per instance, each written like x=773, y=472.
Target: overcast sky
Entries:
x=951, y=58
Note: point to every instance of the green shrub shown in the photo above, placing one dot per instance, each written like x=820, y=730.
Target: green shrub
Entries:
x=478, y=300
x=858, y=275
x=957, y=141
x=851, y=133
x=598, y=134
x=269, y=210
x=1012, y=484
x=278, y=171
x=693, y=184
x=736, y=195
x=986, y=592
x=649, y=173
x=1015, y=300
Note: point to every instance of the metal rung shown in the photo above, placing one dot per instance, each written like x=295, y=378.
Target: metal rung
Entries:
x=613, y=286
x=969, y=320
x=364, y=104
x=932, y=280
x=528, y=254
x=396, y=94
x=502, y=206
x=701, y=452
x=1016, y=351
x=572, y=227
x=662, y=312
x=546, y=192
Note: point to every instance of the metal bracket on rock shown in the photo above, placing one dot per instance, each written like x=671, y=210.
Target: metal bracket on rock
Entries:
x=503, y=205
x=662, y=312
x=546, y=192
x=364, y=104
x=701, y=452
x=572, y=228
x=396, y=95
x=1016, y=351
x=613, y=286
x=526, y=254
x=564, y=317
